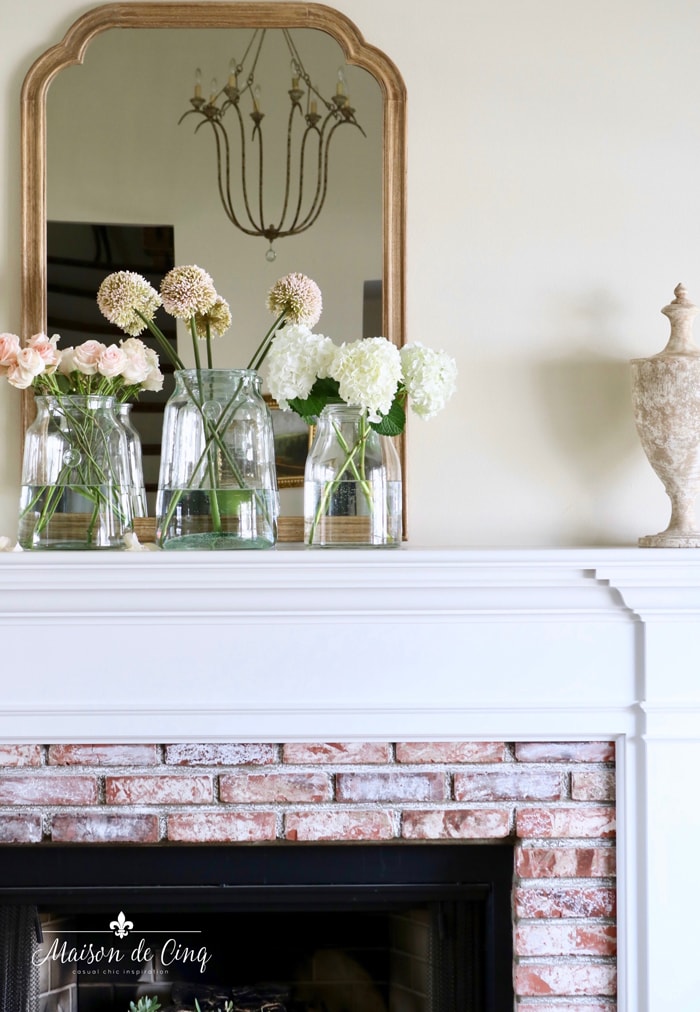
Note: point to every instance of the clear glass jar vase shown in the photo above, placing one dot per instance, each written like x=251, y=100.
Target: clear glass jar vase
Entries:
x=75, y=485
x=217, y=488
x=134, y=460
x=352, y=484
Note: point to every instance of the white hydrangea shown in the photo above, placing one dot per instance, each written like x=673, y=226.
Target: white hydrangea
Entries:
x=430, y=378
x=296, y=359
x=368, y=372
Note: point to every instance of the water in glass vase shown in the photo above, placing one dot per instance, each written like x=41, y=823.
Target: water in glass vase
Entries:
x=343, y=516
x=352, y=484
x=218, y=519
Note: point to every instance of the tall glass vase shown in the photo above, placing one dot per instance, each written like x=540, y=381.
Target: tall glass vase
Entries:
x=134, y=459
x=352, y=484
x=75, y=486
x=217, y=488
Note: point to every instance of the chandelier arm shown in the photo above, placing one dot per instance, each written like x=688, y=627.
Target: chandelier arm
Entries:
x=322, y=176
x=302, y=159
x=260, y=176
x=225, y=193
x=289, y=169
x=244, y=184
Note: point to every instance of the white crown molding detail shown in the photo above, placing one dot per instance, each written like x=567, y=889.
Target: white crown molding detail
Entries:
x=414, y=644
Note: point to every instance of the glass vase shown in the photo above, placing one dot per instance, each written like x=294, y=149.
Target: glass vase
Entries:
x=134, y=461
x=75, y=486
x=217, y=488
x=352, y=484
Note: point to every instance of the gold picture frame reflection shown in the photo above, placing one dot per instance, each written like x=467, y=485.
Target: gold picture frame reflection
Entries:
x=293, y=438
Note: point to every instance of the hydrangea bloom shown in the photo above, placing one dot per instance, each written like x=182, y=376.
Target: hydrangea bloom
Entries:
x=297, y=358
x=186, y=291
x=218, y=317
x=297, y=298
x=430, y=378
x=368, y=372
x=124, y=295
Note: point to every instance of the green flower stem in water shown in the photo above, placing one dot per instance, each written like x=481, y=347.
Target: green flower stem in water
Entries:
x=348, y=465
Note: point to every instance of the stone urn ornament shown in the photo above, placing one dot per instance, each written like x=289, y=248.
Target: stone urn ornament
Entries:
x=666, y=398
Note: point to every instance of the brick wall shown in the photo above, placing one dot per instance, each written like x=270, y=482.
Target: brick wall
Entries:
x=555, y=800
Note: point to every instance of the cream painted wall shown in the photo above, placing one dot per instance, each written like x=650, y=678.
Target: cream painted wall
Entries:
x=553, y=205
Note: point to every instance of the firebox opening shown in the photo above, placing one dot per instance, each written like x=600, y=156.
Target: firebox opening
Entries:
x=374, y=928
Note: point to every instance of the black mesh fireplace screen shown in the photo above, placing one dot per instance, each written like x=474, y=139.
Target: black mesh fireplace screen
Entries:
x=19, y=977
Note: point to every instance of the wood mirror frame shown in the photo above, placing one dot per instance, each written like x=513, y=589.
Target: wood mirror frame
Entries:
x=71, y=50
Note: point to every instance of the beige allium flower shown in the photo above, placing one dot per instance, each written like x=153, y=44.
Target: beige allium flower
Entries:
x=122, y=296
x=186, y=291
x=218, y=318
x=298, y=298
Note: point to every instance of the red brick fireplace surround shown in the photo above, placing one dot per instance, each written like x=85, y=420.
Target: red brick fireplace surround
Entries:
x=554, y=800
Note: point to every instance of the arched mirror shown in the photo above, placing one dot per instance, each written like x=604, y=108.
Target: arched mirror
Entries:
x=101, y=144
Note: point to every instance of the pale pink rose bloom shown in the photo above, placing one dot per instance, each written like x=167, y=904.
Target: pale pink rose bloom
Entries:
x=136, y=368
x=86, y=357
x=154, y=381
x=66, y=365
x=112, y=361
x=28, y=364
x=9, y=346
x=46, y=346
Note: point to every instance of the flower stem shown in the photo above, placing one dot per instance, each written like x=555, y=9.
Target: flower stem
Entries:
x=262, y=349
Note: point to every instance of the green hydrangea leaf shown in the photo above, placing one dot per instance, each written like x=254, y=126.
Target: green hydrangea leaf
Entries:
x=324, y=391
x=394, y=421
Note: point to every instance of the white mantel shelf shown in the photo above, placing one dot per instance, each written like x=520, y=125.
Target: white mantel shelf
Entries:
x=413, y=644
x=340, y=642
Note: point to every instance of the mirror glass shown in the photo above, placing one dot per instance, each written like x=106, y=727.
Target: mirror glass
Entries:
x=101, y=144
x=116, y=154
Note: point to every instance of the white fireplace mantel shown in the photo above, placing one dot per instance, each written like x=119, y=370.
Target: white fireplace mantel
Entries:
x=415, y=644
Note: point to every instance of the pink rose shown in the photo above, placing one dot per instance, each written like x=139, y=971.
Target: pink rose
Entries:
x=46, y=347
x=154, y=380
x=137, y=368
x=66, y=365
x=9, y=347
x=87, y=356
x=28, y=364
x=112, y=361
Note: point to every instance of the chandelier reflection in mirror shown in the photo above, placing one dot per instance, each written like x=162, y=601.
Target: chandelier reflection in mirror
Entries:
x=311, y=125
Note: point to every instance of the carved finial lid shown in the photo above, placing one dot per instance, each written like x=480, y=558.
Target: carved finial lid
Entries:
x=681, y=312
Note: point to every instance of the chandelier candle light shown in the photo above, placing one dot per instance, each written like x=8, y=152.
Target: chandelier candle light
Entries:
x=217, y=487
x=308, y=139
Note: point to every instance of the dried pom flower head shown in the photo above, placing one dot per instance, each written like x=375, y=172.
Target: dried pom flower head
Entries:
x=128, y=301
x=297, y=298
x=218, y=318
x=186, y=291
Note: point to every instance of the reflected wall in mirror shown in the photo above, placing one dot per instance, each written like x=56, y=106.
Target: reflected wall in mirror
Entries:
x=104, y=145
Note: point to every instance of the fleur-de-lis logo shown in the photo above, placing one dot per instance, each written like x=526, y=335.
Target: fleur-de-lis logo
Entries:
x=121, y=927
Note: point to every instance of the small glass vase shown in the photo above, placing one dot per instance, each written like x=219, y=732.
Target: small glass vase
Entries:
x=217, y=488
x=134, y=461
x=75, y=486
x=352, y=484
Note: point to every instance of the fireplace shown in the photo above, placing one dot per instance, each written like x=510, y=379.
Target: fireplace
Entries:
x=530, y=648
x=524, y=831
x=352, y=929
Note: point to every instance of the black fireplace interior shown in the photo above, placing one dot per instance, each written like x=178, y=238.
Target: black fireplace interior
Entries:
x=297, y=928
